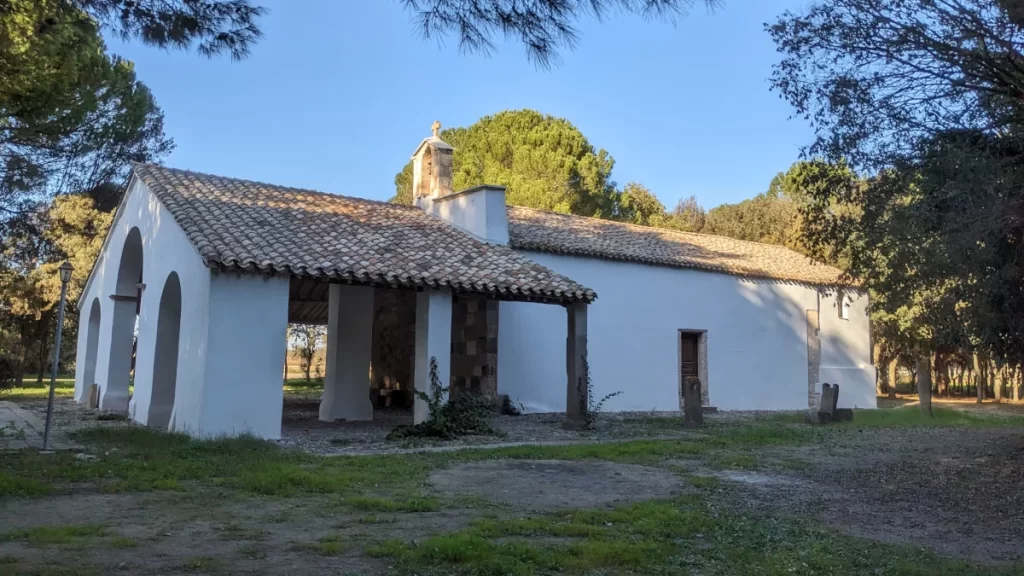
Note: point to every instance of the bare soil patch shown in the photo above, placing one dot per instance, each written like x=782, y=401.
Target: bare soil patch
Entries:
x=955, y=491
x=208, y=531
x=539, y=485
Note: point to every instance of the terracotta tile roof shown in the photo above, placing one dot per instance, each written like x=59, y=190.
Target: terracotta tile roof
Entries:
x=543, y=231
x=239, y=224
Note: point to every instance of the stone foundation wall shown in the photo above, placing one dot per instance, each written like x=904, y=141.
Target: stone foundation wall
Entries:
x=474, y=346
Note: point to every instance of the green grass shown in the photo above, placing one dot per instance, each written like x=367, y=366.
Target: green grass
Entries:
x=905, y=416
x=659, y=537
x=201, y=564
x=253, y=551
x=132, y=459
x=69, y=534
x=11, y=485
x=63, y=381
x=736, y=462
x=122, y=542
x=705, y=482
x=947, y=417
x=326, y=546
x=413, y=504
x=680, y=536
x=234, y=531
x=23, y=394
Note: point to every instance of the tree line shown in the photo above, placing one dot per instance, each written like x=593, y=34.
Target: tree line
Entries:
x=73, y=117
x=922, y=99
x=911, y=185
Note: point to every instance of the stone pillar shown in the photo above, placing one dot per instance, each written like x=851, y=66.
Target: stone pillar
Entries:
x=433, y=340
x=474, y=346
x=576, y=402
x=349, y=338
x=114, y=383
x=394, y=338
x=693, y=412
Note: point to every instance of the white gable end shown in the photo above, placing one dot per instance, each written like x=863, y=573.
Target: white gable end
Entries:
x=143, y=230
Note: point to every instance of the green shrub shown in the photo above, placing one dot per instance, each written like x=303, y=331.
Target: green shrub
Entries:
x=8, y=369
x=593, y=412
x=464, y=415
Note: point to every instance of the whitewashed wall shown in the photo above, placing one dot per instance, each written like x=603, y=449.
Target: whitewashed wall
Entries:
x=756, y=338
x=846, y=351
x=248, y=321
x=166, y=249
x=231, y=348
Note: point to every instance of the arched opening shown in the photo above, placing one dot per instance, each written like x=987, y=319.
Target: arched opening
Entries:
x=92, y=345
x=165, y=363
x=126, y=301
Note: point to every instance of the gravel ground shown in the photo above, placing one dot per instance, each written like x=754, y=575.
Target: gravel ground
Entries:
x=543, y=485
x=70, y=416
x=956, y=491
x=301, y=429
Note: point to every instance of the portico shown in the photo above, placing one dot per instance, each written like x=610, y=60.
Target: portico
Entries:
x=229, y=263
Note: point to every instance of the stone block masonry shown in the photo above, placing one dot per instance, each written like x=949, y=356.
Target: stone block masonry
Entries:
x=474, y=346
x=394, y=339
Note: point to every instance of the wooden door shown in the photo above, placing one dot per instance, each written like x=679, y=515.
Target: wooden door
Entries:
x=688, y=342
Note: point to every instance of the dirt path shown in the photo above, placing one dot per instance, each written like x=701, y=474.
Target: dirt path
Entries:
x=957, y=492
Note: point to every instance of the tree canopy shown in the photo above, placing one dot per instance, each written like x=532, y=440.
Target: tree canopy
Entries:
x=72, y=118
x=922, y=98
x=213, y=27
x=545, y=162
x=543, y=27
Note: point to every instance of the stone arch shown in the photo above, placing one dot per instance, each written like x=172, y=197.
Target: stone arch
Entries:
x=92, y=346
x=126, y=301
x=129, y=271
x=165, y=362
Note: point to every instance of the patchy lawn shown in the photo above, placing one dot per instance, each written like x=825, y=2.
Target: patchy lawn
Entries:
x=887, y=494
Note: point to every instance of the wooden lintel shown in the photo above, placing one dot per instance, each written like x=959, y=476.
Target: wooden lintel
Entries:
x=124, y=297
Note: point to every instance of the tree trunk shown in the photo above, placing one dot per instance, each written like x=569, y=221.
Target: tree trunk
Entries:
x=19, y=371
x=893, y=370
x=941, y=374
x=924, y=384
x=996, y=376
x=978, y=378
x=881, y=386
x=1015, y=382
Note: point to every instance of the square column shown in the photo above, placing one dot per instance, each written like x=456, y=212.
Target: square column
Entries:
x=246, y=345
x=349, y=343
x=576, y=401
x=433, y=340
x=114, y=374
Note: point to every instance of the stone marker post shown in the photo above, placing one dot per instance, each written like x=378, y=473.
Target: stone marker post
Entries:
x=829, y=399
x=693, y=414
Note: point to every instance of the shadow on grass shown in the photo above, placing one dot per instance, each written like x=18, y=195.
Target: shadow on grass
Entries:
x=683, y=535
x=911, y=416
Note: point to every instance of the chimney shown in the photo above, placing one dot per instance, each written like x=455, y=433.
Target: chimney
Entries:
x=479, y=211
x=431, y=169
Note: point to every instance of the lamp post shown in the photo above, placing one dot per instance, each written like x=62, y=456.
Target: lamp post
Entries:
x=65, y=276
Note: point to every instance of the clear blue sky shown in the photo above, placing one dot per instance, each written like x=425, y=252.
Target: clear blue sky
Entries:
x=339, y=93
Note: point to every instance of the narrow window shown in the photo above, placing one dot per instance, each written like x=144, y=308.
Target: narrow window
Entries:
x=844, y=305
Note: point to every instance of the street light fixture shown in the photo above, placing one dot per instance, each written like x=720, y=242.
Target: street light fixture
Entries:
x=65, y=272
x=65, y=276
